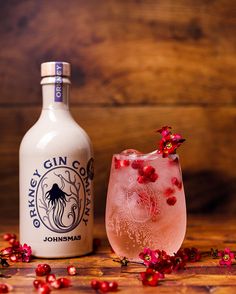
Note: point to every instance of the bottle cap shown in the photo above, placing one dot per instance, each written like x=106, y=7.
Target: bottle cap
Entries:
x=55, y=68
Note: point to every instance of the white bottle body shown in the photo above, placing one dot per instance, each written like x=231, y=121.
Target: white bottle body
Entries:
x=56, y=190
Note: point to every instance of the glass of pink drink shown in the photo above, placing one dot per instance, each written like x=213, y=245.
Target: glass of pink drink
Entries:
x=145, y=204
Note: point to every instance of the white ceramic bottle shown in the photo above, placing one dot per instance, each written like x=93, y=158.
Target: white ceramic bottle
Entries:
x=56, y=175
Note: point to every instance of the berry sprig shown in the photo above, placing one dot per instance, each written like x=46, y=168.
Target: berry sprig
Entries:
x=159, y=263
x=15, y=252
x=147, y=174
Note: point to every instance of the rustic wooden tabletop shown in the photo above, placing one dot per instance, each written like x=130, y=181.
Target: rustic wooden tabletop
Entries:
x=205, y=276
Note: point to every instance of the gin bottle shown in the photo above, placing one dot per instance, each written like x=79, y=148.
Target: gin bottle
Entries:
x=56, y=175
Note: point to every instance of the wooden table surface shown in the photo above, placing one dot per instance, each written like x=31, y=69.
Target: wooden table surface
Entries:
x=205, y=276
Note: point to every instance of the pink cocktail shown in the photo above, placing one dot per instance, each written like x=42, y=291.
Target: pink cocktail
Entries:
x=145, y=204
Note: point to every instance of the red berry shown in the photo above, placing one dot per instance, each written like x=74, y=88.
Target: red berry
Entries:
x=117, y=163
x=141, y=179
x=64, y=282
x=136, y=164
x=71, y=269
x=104, y=286
x=168, y=192
x=95, y=284
x=56, y=284
x=4, y=288
x=153, y=177
x=176, y=182
x=38, y=283
x=44, y=289
x=148, y=170
x=171, y=200
x=8, y=237
x=50, y=278
x=124, y=163
x=113, y=286
x=121, y=163
x=42, y=269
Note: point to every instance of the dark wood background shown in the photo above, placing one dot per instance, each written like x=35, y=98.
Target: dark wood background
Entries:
x=137, y=65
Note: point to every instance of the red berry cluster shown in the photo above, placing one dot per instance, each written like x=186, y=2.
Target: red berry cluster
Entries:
x=51, y=282
x=121, y=163
x=104, y=286
x=147, y=174
x=169, y=192
x=159, y=263
x=15, y=252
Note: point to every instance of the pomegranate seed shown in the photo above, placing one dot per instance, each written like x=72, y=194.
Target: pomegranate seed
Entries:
x=8, y=237
x=4, y=288
x=136, y=164
x=50, y=278
x=121, y=163
x=153, y=177
x=38, y=283
x=171, y=200
x=44, y=289
x=141, y=179
x=176, y=182
x=168, y=192
x=95, y=284
x=113, y=286
x=124, y=163
x=64, y=282
x=56, y=284
x=117, y=163
x=104, y=286
x=71, y=269
x=148, y=170
x=42, y=269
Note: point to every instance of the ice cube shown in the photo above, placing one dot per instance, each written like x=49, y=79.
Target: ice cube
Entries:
x=130, y=152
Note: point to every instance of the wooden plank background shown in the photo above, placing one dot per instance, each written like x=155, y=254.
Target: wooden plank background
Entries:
x=137, y=65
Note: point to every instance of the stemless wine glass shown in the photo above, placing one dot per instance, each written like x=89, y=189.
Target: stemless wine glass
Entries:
x=145, y=204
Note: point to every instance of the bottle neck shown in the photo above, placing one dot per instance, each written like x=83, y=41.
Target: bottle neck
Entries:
x=55, y=91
